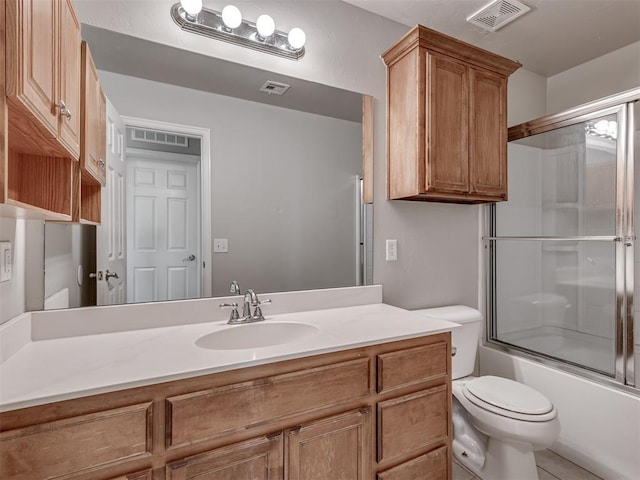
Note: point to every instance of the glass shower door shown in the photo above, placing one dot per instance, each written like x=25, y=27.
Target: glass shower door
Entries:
x=558, y=245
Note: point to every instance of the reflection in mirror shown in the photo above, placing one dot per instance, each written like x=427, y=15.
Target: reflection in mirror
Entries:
x=283, y=196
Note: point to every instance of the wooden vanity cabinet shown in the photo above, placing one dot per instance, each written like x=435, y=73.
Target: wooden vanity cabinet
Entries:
x=382, y=411
x=447, y=124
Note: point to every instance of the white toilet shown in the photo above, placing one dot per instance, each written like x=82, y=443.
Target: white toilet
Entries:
x=497, y=423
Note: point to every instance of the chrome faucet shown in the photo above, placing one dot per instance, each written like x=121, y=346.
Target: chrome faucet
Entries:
x=250, y=300
x=235, y=288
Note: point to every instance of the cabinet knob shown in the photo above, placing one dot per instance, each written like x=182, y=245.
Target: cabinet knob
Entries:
x=64, y=110
x=101, y=162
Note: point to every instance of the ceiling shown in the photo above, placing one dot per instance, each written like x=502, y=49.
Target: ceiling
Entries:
x=553, y=36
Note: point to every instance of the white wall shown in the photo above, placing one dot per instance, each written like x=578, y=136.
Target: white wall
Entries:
x=283, y=184
x=526, y=97
x=606, y=75
x=12, y=292
x=25, y=290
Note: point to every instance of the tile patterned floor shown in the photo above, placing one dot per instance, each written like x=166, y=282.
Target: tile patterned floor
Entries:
x=550, y=467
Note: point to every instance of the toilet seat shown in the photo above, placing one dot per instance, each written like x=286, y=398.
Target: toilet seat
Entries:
x=509, y=399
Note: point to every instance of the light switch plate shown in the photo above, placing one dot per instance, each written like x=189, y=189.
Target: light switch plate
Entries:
x=220, y=245
x=392, y=250
x=6, y=261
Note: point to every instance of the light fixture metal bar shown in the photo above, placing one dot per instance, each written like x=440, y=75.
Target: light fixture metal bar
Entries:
x=209, y=23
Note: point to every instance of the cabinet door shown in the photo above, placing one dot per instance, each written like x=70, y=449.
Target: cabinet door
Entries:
x=101, y=137
x=32, y=67
x=336, y=448
x=447, y=168
x=91, y=97
x=430, y=466
x=69, y=94
x=258, y=459
x=488, y=134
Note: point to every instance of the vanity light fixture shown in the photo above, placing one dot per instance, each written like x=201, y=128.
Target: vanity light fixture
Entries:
x=229, y=26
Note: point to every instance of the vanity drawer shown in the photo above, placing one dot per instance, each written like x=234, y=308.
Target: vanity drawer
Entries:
x=78, y=444
x=197, y=416
x=430, y=466
x=412, y=422
x=411, y=366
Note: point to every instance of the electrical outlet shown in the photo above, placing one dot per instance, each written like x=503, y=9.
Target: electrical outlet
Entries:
x=392, y=250
x=6, y=261
x=220, y=245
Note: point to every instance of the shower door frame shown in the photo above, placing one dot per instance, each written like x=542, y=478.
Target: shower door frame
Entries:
x=624, y=368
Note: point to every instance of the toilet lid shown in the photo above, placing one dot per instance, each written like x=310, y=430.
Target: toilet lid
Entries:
x=507, y=395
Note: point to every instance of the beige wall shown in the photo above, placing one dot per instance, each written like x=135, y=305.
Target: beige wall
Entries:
x=612, y=73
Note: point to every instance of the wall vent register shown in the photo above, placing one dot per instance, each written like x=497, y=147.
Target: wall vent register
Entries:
x=161, y=138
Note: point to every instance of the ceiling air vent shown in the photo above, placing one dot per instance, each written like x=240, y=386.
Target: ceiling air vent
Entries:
x=497, y=14
x=274, y=88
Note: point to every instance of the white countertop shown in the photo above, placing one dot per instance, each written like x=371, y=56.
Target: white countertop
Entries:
x=55, y=369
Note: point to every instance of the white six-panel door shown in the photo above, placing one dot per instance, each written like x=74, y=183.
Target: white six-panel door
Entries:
x=110, y=236
x=163, y=227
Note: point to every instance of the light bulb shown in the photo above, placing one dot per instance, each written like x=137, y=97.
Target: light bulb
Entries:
x=192, y=7
x=265, y=25
x=296, y=38
x=231, y=16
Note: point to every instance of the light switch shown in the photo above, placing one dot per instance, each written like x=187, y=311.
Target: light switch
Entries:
x=220, y=245
x=392, y=250
x=6, y=261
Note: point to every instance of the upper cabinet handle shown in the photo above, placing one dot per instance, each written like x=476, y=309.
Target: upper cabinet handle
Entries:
x=64, y=110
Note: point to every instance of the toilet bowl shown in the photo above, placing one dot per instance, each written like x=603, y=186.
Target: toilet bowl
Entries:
x=497, y=423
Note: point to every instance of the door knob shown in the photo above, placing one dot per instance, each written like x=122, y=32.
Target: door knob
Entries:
x=108, y=275
x=190, y=258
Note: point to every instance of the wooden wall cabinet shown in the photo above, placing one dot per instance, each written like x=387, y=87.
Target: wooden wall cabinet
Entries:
x=381, y=410
x=447, y=124
x=42, y=109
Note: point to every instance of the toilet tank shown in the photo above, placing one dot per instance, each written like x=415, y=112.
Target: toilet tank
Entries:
x=464, y=338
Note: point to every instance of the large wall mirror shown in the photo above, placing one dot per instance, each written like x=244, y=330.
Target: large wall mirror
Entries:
x=211, y=180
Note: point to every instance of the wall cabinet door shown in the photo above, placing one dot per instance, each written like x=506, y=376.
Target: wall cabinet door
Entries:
x=448, y=125
x=69, y=91
x=32, y=68
x=93, y=146
x=43, y=70
x=258, y=459
x=333, y=448
x=487, y=134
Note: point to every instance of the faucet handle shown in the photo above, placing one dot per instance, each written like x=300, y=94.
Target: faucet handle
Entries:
x=257, y=311
x=260, y=302
x=234, y=313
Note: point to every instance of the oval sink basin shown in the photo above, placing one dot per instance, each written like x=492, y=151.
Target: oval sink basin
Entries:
x=256, y=335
